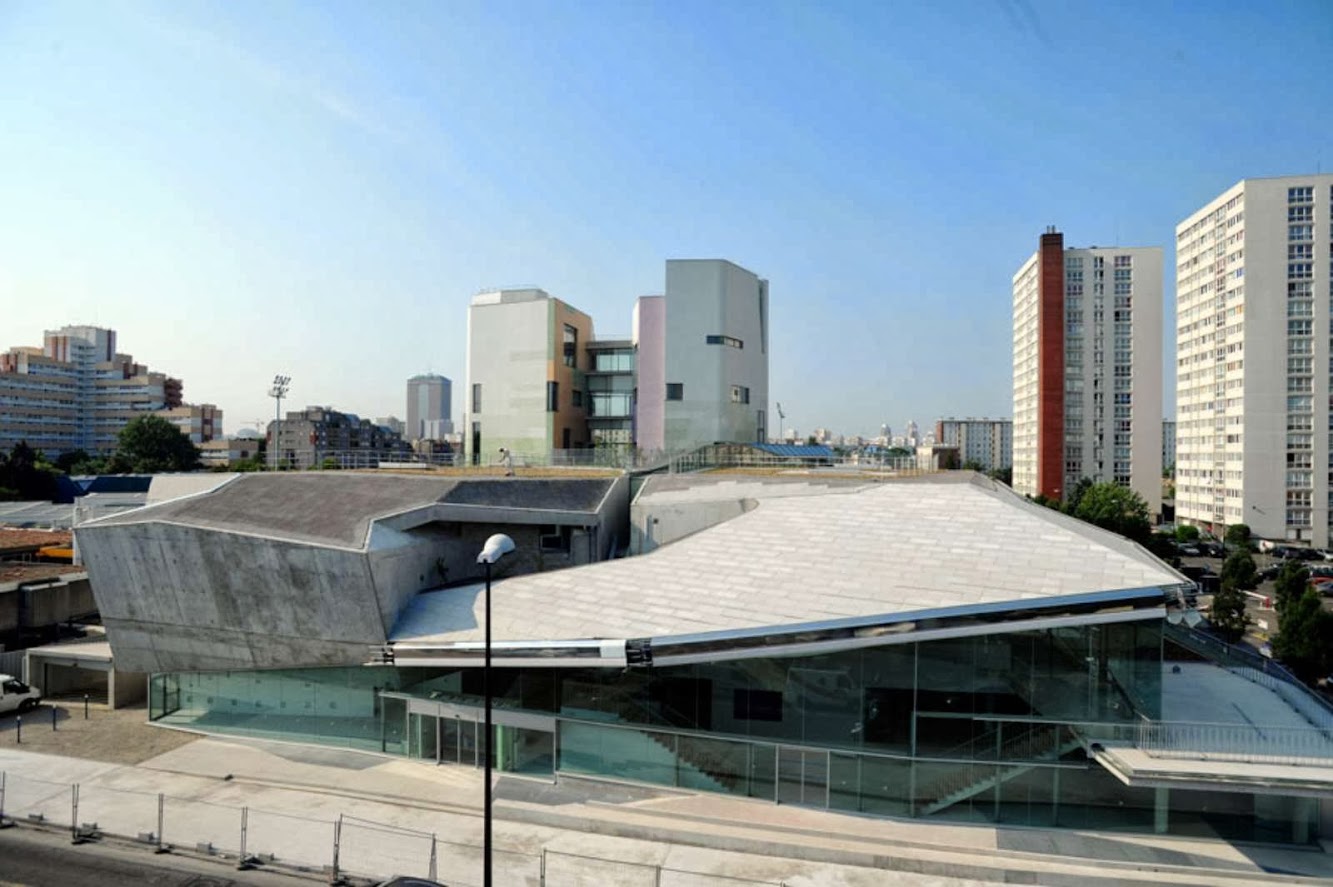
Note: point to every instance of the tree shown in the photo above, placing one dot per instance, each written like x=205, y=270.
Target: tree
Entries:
x=1186, y=533
x=1290, y=585
x=1075, y=496
x=150, y=444
x=1115, y=508
x=1238, y=535
x=1228, y=613
x=1305, y=642
x=24, y=474
x=1239, y=571
x=973, y=465
x=1003, y=475
x=1163, y=546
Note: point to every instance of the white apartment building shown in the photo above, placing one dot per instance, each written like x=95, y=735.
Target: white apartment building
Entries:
x=1088, y=369
x=987, y=442
x=716, y=354
x=1168, y=443
x=1253, y=360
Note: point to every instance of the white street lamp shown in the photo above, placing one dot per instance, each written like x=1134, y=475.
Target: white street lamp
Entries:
x=495, y=548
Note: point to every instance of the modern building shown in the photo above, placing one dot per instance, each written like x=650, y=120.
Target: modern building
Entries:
x=199, y=422
x=781, y=639
x=224, y=452
x=1252, y=356
x=429, y=400
x=650, y=374
x=1168, y=444
x=526, y=375
x=76, y=393
x=1088, y=369
x=716, y=354
x=612, y=386
x=987, y=442
x=394, y=424
x=912, y=436
x=693, y=372
x=312, y=437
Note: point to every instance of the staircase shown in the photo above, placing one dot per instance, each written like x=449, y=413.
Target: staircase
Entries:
x=1041, y=743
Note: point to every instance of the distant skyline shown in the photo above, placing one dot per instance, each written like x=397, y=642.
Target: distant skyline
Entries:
x=319, y=189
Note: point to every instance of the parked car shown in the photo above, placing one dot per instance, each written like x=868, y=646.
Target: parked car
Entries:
x=16, y=695
x=1212, y=549
x=1189, y=550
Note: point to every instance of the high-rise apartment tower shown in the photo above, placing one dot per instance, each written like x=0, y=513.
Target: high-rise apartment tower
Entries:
x=1088, y=369
x=1253, y=359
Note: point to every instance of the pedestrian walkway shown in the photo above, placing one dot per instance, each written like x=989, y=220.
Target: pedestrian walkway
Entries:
x=375, y=816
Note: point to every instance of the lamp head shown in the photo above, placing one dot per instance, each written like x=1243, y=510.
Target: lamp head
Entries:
x=495, y=548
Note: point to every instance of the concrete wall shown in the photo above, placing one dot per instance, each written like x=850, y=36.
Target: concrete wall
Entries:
x=45, y=604
x=178, y=598
x=508, y=349
x=715, y=298
x=655, y=525
x=650, y=364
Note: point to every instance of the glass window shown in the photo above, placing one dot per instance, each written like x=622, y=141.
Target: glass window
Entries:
x=552, y=396
x=476, y=397
x=571, y=344
x=675, y=391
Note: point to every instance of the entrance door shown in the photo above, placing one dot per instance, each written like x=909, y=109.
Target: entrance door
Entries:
x=803, y=776
x=458, y=741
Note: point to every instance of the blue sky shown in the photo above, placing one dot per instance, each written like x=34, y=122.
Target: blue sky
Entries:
x=243, y=188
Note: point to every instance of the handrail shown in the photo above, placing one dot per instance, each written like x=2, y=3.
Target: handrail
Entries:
x=1262, y=670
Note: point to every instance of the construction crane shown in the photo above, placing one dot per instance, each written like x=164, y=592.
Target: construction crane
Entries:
x=782, y=417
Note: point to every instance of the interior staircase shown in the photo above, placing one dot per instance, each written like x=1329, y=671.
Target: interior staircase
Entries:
x=1042, y=743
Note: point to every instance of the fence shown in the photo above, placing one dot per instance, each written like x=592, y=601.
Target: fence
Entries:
x=347, y=846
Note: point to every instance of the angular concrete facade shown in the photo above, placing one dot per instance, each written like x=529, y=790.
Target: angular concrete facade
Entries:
x=272, y=571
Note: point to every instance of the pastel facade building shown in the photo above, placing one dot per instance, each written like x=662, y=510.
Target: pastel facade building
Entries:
x=76, y=392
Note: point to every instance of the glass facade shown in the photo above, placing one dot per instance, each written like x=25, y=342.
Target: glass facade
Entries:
x=991, y=728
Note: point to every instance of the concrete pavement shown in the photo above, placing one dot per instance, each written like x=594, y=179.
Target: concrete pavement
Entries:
x=394, y=812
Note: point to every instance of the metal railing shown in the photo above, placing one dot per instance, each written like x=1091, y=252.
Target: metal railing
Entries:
x=341, y=847
x=1242, y=743
x=708, y=459
x=1251, y=665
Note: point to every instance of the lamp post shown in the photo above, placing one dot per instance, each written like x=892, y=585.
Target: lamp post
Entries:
x=495, y=548
x=279, y=390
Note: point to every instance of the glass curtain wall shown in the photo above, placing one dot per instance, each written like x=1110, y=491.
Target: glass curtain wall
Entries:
x=989, y=728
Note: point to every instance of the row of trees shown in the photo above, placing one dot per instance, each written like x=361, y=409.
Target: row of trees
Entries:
x=146, y=445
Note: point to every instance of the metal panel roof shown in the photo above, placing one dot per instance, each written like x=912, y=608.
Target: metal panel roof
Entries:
x=943, y=544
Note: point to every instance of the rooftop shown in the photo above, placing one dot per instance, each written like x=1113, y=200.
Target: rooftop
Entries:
x=337, y=508
x=931, y=547
x=12, y=540
x=14, y=572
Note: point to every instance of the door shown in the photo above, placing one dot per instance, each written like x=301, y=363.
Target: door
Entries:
x=803, y=776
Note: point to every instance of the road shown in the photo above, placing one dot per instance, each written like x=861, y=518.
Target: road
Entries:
x=38, y=858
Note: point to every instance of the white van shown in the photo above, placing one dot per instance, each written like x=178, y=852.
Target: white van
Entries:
x=16, y=695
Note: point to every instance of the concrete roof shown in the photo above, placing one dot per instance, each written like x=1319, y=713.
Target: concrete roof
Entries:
x=337, y=508
x=99, y=651
x=938, y=543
